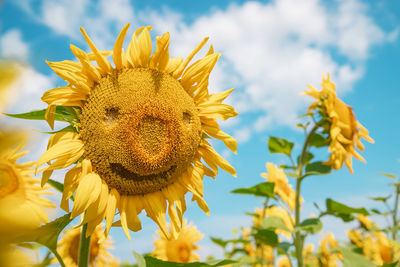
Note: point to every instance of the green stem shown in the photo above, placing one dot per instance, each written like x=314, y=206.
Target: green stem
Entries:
x=60, y=261
x=299, y=240
x=262, y=218
x=396, y=207
x=84, y=248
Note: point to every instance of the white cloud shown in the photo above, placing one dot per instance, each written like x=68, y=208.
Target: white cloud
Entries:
x=242, y=135
x=12, y=45
x=29, y=85
x=270, y=51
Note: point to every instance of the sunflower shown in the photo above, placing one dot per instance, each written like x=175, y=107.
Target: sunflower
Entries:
x=12, y=256
x=277, y=212
x=20, y=194
x=345, y=131
x=181, y=248
x=282, y=187
x=284, y=262
x=254, y=251
x=9, y=72
x=141, y=134
x=328, y=258
x=68, y=248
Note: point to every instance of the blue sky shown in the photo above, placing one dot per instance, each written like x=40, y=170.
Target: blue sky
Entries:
x=270, y=51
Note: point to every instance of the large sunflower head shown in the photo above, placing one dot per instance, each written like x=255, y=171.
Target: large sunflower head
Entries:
x=181, y=248
x=138, y=139
x=68, y=248
x=20, y=194
x=345, y=131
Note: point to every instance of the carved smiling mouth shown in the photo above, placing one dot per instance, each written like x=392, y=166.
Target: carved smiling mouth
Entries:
x=121, y=171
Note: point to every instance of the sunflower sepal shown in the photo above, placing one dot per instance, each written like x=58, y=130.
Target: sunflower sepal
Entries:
x=61, y=114
x=46, y=235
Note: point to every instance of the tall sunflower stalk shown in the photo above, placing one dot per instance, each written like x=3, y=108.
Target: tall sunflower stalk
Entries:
x=279, y=225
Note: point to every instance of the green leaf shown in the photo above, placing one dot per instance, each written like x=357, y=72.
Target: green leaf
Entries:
x=283, y=166
x=69, y=128
x=393, y=264
x=267, y=237
x=351, y=259
x=334, y=207
x=284, y=246
x=317, y=168
x=47, y=234
x=389, y=175
x=308, y=157
x=317, y=140
x=311, y=225
x=153, y=262
x=272, y=223
x=376, y=211
x=57, y=185
x=220, y=242
x=280, y=145
x=140, y=260
x=381, y=199
x=61, y=114
x=265, y=189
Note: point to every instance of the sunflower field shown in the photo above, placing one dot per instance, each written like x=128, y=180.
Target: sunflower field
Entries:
x=136, y=130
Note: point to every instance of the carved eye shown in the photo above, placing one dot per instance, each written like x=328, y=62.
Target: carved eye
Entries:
x=187, y=119
x=111, y=116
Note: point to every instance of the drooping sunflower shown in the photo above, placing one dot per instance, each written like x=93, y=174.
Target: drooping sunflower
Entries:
x=179, y=249
x=282, y=187
x=345, y=131
x=140, y=133
x=20, y=194
x=68, y=248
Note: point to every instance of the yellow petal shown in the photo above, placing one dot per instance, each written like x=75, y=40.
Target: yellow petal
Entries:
x=50, y=114
x=118, y=47
x=122, y=212
x=104, y=64
x=88, y=192
x=178, y=72
x=113, y=200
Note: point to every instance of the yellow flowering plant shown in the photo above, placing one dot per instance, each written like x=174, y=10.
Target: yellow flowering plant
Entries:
x=278, y=226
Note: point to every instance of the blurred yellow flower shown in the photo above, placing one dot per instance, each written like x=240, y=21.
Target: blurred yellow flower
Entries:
x=355, y=237
x=68, y=248
x=284, y=262
x=366, y=222
x=282, y=187
x=179, y=249
x=327, y=258
x=20, y=194
x=255, y=252
x=344, y=130
x=278, y=212
x=9, y=71
x=11, y=256
x=310, y=260
x=142, y=131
